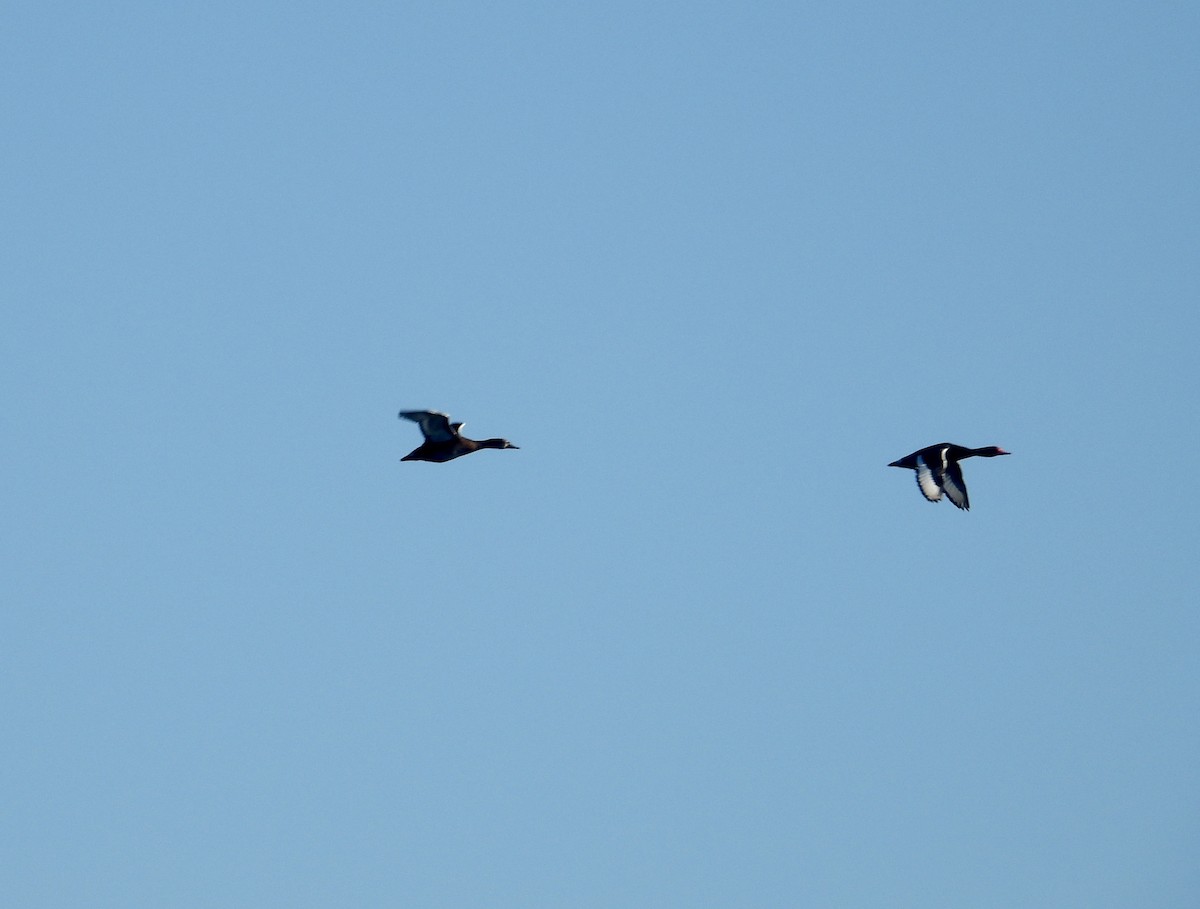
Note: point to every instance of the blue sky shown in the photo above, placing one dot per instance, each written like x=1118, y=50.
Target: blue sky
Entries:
x=712, y=266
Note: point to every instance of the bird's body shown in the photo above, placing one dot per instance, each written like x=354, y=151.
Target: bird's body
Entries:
x=443, y=439
x=938, y=471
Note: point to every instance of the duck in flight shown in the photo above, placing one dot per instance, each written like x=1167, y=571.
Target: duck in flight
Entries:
x=443, y=439
x=938, y=471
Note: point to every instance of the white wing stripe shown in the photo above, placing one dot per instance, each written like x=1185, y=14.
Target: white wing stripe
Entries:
x=955, y=490
x=925, y=480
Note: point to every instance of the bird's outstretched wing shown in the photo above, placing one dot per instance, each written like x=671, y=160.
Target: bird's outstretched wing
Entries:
x=435, y=426
x=927, y=481
x=956, y=488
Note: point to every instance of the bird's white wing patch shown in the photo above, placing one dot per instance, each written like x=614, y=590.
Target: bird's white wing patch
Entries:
x=956, y=489
x=928, y=482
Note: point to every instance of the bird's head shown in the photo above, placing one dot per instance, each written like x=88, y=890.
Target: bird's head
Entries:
x=496, y=443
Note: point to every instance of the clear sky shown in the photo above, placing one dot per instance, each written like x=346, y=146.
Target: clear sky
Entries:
x=711, y=266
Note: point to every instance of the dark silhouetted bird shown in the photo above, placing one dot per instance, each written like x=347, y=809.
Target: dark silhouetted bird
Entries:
x=938, y=471
x=443, y=439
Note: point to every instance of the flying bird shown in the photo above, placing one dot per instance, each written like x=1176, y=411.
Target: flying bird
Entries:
x=938, y=471
x=443, y=439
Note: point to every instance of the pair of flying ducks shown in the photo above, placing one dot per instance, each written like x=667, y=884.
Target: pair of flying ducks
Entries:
x=936, y=467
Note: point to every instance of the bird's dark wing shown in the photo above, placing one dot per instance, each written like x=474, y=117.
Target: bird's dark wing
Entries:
x=956, y=488
x=435, y=426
